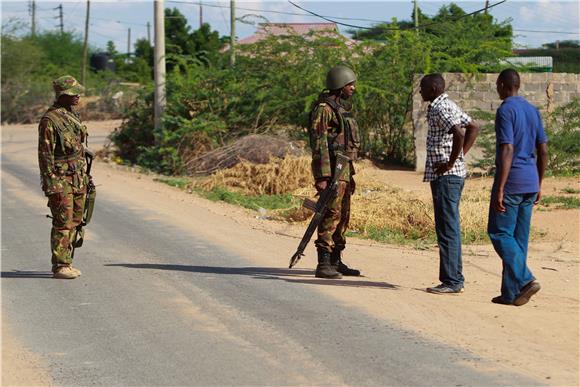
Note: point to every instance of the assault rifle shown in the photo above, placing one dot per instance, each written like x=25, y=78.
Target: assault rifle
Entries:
x=319, y=207
x=79, y=236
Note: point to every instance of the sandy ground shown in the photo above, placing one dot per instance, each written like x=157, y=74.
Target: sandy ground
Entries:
x=539, y=340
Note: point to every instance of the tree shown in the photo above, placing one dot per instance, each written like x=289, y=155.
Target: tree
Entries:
x=177, y=33
x=206, y=44
x=459, y=43
x=563, y=44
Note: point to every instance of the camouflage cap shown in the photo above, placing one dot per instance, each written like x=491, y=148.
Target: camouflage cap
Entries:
x=67, y=85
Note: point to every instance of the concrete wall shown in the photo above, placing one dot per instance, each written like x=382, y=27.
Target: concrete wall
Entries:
x=477, y=92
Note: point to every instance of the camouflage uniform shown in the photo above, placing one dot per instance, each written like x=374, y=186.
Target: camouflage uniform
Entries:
x=62, y=170
x=330, y=133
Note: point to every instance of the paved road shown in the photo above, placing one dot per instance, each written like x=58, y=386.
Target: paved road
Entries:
x=158, y=305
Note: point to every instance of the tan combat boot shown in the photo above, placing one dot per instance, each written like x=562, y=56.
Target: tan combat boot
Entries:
x=76, y=270
x=65, y=272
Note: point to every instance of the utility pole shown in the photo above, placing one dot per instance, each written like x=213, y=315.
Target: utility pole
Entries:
x=149, y=32
x=416, y=13
x=86, y=45
x=232, y=33
x=60, y=16
x=33, y=12
x=200, y=14
x=159, y=62
x=129, y=44
x=486, y=6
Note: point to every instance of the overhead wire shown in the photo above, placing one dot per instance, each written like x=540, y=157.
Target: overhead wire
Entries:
x=397, y=28
x=270, y=11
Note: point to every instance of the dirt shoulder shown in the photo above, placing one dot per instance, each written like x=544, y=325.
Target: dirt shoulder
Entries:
x=19, y=366
x=539, y=340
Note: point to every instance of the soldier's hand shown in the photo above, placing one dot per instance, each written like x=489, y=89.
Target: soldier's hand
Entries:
x=321, y=185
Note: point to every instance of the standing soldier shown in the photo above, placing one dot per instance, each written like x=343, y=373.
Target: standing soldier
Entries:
x=333, y=130
x=61, y=158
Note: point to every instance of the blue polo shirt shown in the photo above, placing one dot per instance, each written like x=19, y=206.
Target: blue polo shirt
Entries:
x=519, y=123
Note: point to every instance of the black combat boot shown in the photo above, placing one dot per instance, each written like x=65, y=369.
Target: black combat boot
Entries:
x=336, y=261
x=324, y=268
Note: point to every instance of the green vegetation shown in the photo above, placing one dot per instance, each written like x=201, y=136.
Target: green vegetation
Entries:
x=217, y=194
x=570, y=190
x=267, y=202
x=276, y=81
x=178, y=182
x=566, y=55
x=563, y=130
x=566, y=202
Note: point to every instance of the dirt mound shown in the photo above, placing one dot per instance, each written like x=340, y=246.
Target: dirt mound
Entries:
x=256, y=148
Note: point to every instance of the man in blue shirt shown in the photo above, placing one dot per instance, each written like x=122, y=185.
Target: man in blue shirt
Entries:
x=521, y=159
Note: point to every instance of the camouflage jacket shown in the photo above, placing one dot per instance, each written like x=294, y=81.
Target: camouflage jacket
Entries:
x=60, y=151
x=330, y=134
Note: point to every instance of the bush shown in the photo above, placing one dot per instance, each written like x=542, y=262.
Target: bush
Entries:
x=272, y=88
x=31, y=63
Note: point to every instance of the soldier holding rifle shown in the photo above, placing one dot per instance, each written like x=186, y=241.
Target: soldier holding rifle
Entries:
x=334, y=131
x=65, y=180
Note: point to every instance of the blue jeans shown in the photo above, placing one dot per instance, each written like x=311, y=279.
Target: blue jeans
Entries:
x=446, y=192
x=509, y=233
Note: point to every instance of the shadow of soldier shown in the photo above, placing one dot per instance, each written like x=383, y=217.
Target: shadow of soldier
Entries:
x=298, y=276
x=26, y=274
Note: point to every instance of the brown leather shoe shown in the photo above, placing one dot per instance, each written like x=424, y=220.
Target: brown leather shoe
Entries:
x=65, y=272
x=527, y=292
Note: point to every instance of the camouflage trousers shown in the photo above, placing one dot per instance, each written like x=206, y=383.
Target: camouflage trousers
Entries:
x=67, y=213
x=332, y=229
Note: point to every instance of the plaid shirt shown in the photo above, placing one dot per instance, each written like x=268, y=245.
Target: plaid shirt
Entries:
x=442, y=115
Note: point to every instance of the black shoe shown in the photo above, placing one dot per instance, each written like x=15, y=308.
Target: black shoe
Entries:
x=345, y=270
x=501, y=300
x=341, y=267
x=527, y=292
x=324, y=268
x=327, y=271
x=444, y=289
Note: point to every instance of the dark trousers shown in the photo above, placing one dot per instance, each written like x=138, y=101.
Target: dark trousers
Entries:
x=446, y=191
x=509, y=233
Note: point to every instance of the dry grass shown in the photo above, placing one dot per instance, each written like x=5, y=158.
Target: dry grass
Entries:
x=279, y=176
x=378, y=211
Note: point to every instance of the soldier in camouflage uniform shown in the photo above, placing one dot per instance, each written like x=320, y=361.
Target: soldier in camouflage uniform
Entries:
x=333, y=130
x=63, y=175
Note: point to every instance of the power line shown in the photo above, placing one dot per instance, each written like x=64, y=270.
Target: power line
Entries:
x=121, y=21
x=550, y=32
x=271, y=11
x=397, y=28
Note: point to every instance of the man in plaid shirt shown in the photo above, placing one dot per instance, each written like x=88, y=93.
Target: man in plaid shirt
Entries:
x=451, y=134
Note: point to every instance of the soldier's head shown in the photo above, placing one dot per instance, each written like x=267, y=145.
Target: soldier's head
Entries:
x=67, y=90
x=508, y=83
x=432, y=86
x=340, y=80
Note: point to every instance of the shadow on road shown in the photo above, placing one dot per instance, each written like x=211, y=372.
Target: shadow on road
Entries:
x=272, y=273
x=26, y=274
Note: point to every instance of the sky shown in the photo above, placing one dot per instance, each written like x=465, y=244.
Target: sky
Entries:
x=535, y=22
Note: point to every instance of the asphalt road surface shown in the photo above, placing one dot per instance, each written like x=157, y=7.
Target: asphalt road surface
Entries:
x=158, y=305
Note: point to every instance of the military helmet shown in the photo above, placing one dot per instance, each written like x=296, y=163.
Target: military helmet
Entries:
x=338, y=77
x=67, y=85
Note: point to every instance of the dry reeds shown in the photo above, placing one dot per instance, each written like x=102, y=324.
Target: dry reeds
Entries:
x=279, y=176
x=375, y=207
